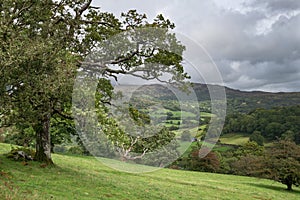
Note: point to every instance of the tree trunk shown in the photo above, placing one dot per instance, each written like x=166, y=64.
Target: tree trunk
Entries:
x=43, y=143
x=52, y=147
x=289, y=186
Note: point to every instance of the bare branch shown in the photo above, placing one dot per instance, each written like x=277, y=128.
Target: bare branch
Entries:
x=82, y=9
x=140, y=156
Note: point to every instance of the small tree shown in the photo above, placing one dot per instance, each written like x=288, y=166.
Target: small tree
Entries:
x=250, y=160
x=284, y=163
x=257, y=137
x=249, y=165
x=210, y=163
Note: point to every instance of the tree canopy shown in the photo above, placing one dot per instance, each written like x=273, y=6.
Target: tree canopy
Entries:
x=44, y=43
x=278, y=122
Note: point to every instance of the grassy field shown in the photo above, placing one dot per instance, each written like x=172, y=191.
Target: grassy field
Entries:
x=236, y=139
x=76, y=177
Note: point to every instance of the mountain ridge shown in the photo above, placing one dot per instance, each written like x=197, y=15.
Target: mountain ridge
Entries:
x=237, y=100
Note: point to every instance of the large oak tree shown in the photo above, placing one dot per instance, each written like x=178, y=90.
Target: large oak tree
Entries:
x=42, y=45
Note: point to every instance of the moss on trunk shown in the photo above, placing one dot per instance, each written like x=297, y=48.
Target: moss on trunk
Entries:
x=43, y=141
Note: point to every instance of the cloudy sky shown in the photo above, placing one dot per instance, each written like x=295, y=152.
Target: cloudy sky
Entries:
x=255, y=44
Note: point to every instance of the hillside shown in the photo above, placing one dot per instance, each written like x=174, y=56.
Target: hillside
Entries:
x=242, y=101
x=86, y=178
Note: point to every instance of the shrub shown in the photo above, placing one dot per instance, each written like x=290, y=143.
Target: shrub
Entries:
x=173, y=128
x=257, y=137
x=249, y=165
x=209, y=163
x=59, y=149
x=75, y=150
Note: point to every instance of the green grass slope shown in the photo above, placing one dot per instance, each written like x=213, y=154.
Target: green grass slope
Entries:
x=86, y=178
x=236, y=139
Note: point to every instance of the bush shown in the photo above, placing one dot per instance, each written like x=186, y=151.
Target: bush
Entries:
x=209, y=163
x=76, y=150
x=173, y=128
x=25, y=137
x=249, y=165
x=59, y=149
x=257, y=137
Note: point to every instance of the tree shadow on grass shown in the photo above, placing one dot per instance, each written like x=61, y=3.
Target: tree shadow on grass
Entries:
x=273, y=187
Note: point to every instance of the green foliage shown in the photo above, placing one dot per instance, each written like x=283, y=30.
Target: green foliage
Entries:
x=61, y=131
x=280, y=162
x=283, y=163
x=249, y=165
x=210, y=163
x=272, y=124
x=250, y=148
x=2, y=137
x=20, y=136
x=139, y=118
x=37, y=65
x=76, y=150
x=59, y=149
x=173, y=128
x=289, y=135
x=195, y=162
x=274, y=130
x=42, y=44
x=257, y=137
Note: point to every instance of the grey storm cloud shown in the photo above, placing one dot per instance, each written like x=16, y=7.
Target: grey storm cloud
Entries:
x=254, y=43
x=276, y=5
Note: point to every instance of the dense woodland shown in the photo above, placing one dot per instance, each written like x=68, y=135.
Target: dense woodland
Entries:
x=276, y=123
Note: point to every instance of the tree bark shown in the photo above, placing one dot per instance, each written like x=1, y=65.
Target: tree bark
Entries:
x=43, y=142
x=289, y=186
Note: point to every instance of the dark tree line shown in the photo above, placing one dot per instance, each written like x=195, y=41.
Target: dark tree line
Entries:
x=281, y=122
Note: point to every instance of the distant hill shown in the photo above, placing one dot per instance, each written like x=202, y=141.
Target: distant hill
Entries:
x=240, y=101
x=245, y=101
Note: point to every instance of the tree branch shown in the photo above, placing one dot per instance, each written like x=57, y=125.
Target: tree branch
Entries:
x=56, y=111
x=78, y=14
x=97, y=23
x=82, y=9
x=140, y=156
x=120, y=60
